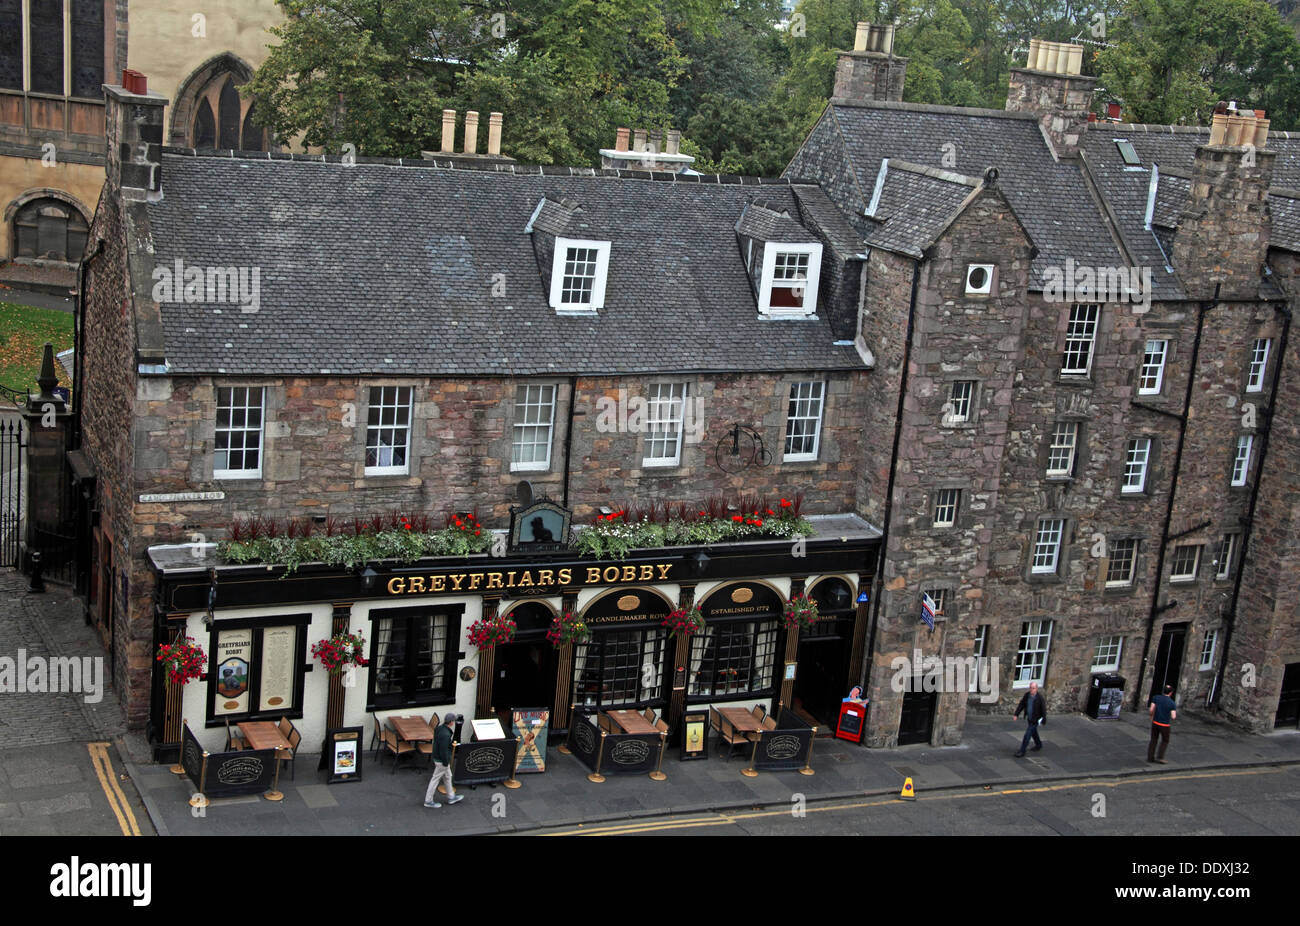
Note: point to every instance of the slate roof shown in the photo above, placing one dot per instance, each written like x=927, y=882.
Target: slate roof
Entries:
x=817, y=211
x=915, y=204
x=1173, y=148
x=765, y=223
x=1052, y=199
x=377, y=268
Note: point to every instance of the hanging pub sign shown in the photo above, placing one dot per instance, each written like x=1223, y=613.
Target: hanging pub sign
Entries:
x=542, y=525
x=342, y=754
x=529, y=725
x=695, y=735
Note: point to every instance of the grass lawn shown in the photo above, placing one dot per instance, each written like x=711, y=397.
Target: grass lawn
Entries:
x=24, y=329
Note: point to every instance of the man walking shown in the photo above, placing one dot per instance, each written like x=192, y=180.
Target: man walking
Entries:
x=442, y=764
x=1035, y=709
x=1163, y=713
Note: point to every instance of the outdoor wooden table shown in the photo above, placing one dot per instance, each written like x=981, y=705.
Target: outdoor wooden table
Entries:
x=263, y=734
x=631, y=722
x=412, y=729
x=742, y=719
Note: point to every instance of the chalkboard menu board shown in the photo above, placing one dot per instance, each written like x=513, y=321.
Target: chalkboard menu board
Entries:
x=342, y=754
x=695, y=736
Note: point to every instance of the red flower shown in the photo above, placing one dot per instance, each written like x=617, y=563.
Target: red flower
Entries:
x=736, y=517
x=758, y=523
x=785, y=503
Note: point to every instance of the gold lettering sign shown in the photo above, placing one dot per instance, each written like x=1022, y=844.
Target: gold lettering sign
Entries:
x=540, y=579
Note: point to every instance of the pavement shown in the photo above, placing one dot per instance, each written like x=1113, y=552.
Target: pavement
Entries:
x=388, y=802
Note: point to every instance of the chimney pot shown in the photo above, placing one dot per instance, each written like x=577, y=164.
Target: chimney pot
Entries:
x=494, y=134
x=134, y=82
x=1261, y=132
x=674, y=141
x=1219, y=128
x=862, y=37
x=622, y=140
x=471, y=132
x=448, y=131
x=1035, y=49
x=1075, y=64
x=638, y=139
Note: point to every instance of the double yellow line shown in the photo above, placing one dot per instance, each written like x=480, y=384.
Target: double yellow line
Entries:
x=108, y=781
x=722, y=818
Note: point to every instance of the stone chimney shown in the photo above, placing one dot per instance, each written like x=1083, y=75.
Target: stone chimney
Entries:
x=448, y=131
x=470, y=153
x=471, y=132
x=1051, y=87
x=649, y=150
x=133, y=122
x=871, y=71
x=1222, y=236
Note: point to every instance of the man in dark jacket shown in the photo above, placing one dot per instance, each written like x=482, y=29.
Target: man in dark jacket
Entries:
x=442, y=764
x=1035, y=710
x=1163, y=713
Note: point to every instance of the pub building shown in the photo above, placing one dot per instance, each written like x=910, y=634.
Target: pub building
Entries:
x=258, y=625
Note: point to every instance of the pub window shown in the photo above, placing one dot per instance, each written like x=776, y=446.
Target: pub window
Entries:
x=620, y=669
x=732, y=658
x=534, y=423
x=256, y=670
x=49, y=229
x=238, y=436
x=663, y=443
x=804, y=421
x=413, y=656
x=388, y=431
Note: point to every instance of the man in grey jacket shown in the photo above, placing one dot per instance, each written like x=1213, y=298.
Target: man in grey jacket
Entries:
x=442, y=764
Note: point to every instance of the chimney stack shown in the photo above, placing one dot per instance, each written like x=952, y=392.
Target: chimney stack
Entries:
x=1051, y=87
x=471, y=132
x=650, y=150
x=871, y=71
x=1222, y=236
x=494, y=134
x=133, y=119
x=448, y=131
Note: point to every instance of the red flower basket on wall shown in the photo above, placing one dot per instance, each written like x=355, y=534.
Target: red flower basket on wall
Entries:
x=184, y=660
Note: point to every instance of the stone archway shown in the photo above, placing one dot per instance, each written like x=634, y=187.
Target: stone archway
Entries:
x=209, y=112
x=47, y=224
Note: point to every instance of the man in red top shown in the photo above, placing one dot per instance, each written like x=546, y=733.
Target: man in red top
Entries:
x=1163, y=714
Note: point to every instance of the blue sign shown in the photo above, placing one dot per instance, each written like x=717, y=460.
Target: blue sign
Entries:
x=862, y=598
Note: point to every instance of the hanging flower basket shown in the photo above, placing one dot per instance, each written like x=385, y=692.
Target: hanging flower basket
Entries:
x=486, y=633
x=567, y=628
x=801, y=612
x=686, y=621
x=340, y=651
x=184, y=660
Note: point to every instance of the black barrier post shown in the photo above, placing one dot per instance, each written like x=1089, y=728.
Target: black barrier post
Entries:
x=37, y=584
x=596, y=776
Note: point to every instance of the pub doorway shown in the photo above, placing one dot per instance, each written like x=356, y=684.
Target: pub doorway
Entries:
x=821, y=681
x=526, y=667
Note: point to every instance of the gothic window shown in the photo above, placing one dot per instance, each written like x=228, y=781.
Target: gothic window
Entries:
x=47, y=46
x=49, y=229
x=88, y=48
x=223, y=119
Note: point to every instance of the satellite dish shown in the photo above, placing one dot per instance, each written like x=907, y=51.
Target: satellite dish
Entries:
x=524, y=493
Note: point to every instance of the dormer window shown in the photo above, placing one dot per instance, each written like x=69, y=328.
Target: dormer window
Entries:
x=789, y=281
x=578, y=275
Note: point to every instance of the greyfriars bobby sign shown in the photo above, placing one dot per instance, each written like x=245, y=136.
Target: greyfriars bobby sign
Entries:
x=542, y=525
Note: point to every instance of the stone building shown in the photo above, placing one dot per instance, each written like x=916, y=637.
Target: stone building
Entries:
x=303, y=340
x=1080, y=335
x=54, y=60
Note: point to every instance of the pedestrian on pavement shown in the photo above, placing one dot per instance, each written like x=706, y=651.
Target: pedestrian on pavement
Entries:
x=1163, y=713
x=1035, y=710
x=442, y=764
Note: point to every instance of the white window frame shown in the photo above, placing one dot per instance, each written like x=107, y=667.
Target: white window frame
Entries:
x=987, y=288
x=246, y=473
x=1196, y=563
x=660, y=427
x=1130, y=545
x=1137, y=458
x=1031, y=653
x=1047, y=528
x=1225, y=554
x=1241, y=462
x=1208, y=646
x=1085, y=317
x=1153, y=369
x=967, y=412
x=1108, y=653
x=558, y=275
x=528, y=428
x=378, y=429
x=770, y=251
x=1059, y=431
x=797, y=401
x=1258, y=364
x=947, y=503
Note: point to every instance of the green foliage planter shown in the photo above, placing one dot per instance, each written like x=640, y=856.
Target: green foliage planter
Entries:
x=615, y=535
x=342, y=550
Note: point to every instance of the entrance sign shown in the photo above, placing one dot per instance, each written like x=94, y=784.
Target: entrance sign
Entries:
x=695, y=736
x=529, y=726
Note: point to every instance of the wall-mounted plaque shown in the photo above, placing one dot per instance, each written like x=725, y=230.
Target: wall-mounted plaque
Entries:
x=542, y=525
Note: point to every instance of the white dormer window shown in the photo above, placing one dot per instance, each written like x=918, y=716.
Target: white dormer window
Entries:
x=578, y=275
x=789, y=284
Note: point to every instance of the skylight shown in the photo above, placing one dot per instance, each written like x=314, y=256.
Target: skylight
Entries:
x=1127, y=152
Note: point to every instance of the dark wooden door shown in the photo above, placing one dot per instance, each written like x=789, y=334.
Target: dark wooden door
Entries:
x=1288, y=705
x=917, y=721
x=1169, y=658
